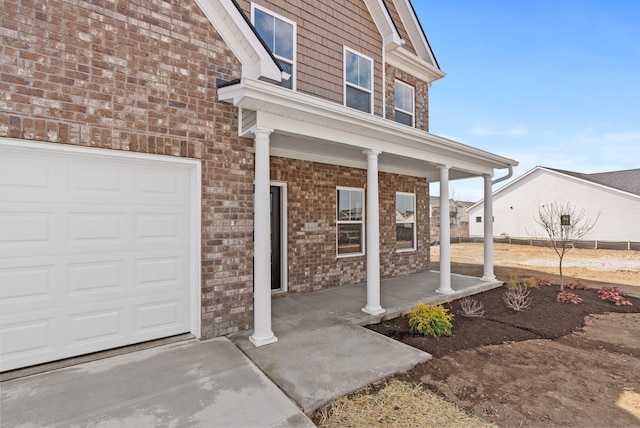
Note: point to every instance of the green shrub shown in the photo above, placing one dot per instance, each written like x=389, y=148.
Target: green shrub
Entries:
x=430, y=320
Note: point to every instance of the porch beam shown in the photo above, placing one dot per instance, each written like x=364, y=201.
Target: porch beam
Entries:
x=445, y=233
x=262, y=334
x=373, y=236
x=488, y=229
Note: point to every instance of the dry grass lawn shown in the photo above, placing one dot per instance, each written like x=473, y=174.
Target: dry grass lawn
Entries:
x=388, y=408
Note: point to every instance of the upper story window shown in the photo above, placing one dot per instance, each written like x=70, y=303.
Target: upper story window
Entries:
x=350, y=221
x=358, y=81
x=404, y=103
x=405, y=221
x=279, y=34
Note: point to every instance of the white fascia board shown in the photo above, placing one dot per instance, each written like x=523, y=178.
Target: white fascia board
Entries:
x=284, y=103
x=411, y=24
x=384, y=23
x=406, y=61
x=234, y=30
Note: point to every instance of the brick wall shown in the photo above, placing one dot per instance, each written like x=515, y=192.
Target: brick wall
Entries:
x=139, y=76
x=421, y=95
x=311, y=193
x=324, y=27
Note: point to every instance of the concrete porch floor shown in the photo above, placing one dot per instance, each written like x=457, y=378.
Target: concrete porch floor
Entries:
x=323, y=352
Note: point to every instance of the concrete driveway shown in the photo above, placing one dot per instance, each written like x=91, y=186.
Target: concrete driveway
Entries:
x=186, y=384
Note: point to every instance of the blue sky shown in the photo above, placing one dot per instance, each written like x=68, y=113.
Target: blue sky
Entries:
x=550, y=83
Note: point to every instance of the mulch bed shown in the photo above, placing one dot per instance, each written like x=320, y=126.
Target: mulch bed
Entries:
x=544, y=319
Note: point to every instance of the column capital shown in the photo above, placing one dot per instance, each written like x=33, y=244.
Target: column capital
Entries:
x=487, y=176
x=441, y=167
x=260, y=131
x=372, y=152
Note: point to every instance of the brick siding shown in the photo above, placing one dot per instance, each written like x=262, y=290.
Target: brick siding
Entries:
x=311, y=193
x=139, y=76
x=421, y=95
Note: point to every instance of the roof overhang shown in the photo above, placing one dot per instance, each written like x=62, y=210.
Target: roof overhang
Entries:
x=406, y=61
x=232, y=25
x=311, y=128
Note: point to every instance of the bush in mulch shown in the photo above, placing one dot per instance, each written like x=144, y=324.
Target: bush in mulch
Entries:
x=544, y=319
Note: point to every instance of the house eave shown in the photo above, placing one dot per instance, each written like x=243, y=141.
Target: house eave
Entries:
x=297, y=110
x=404, y=60
x=257, y=62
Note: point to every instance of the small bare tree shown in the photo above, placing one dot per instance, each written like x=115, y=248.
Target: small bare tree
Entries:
x=563, y=224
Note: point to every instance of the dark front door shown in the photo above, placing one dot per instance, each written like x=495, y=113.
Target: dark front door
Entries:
x=276, y=238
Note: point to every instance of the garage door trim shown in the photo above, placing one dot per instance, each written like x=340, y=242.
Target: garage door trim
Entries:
x=195, y=169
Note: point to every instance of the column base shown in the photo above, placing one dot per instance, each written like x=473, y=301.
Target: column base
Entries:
x=261, y=341
x=445, y=291
x=489, y=278
x=374, y=311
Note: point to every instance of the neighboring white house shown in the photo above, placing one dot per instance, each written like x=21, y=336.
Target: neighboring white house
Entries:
x=614, y=196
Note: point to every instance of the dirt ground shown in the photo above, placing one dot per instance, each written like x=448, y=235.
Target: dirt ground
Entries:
x=611, y=266
x=554, y=364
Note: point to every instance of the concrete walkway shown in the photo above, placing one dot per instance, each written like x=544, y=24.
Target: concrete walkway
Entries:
x=187, y=384
x=322, y=352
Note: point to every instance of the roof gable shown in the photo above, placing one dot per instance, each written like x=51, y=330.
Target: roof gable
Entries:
x=238, y=33
x=625, y=180
x=405, y=43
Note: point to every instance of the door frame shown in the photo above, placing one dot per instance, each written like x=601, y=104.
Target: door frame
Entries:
x=284, y=277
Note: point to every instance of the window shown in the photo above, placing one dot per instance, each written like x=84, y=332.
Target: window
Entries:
x=478, y=219
x=350, y=221
x=403, y=102
x=405, y=221
x=279, y=35
x=358, y=72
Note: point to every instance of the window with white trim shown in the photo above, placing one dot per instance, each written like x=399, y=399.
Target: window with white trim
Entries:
x=404, y=103
x=350, y=221
x=405, y=221
x=279, y=34
x=358, y=81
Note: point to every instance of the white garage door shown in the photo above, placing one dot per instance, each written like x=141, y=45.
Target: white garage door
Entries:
x=98, y=249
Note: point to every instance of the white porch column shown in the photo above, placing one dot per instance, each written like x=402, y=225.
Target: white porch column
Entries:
x=373, y=236
x=488, y=230
x=445, y=233
x=262, y=334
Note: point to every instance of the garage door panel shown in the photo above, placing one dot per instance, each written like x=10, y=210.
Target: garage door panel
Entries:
x=162, y=315
x=158, y=271
x=151, y=227
x=26, y=284
x=96, y=228
x=96, y=326
x=103, y=178
x=25, y=229
x=95, y=251
x=28, y=338
x=19, y=173
x=105, y=276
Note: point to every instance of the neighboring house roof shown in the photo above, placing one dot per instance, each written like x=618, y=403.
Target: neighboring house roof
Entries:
x=625, y=180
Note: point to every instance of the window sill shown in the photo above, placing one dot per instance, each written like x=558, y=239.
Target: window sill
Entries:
x=406, y=250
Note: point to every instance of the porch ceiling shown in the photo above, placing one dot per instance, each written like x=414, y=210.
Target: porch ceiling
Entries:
x=310, y=128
